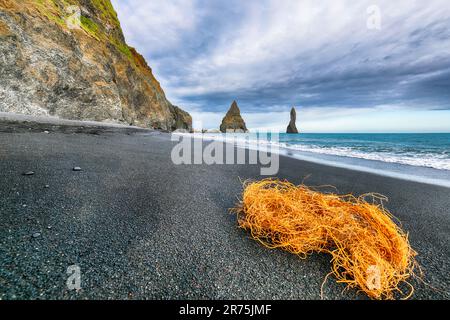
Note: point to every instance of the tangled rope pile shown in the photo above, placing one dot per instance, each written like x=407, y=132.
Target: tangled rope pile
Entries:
x=368, y=249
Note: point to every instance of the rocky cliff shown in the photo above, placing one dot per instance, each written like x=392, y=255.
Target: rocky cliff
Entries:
x=69, y=58
x=292, y=127
x=233, y=122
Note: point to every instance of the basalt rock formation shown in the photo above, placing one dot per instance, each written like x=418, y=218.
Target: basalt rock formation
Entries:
x=69, y=58
x=233, y=122
x=182, y=119
x=292, y=128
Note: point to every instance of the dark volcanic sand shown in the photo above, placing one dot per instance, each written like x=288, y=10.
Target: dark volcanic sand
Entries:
x=140, y=227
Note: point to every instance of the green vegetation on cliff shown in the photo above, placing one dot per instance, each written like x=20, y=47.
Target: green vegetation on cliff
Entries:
x=98, y=19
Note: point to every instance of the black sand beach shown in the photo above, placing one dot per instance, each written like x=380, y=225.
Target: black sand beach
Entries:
x=140, y=227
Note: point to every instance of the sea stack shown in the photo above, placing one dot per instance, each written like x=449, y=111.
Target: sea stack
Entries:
x=292, y=128
x=233, y=122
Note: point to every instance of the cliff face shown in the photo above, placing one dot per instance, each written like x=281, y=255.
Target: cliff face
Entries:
x=48, y=67
x=233, y=122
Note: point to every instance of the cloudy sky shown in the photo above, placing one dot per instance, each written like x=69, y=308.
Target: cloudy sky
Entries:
x=343, y=68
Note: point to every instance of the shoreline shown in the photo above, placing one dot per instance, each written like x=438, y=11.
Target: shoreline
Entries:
x=141, y=227
x=421, y=174
x=387, y=171
x=8, y=117
x=407, y=172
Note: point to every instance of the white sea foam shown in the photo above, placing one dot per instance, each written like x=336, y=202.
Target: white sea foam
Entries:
x=429, y=160
x=412, y=159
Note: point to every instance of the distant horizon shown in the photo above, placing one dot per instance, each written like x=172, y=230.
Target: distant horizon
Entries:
x=382, y=119
x=365, y=66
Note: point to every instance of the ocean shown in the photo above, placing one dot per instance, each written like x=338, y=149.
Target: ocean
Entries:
x=423, y=150
x=420, y=157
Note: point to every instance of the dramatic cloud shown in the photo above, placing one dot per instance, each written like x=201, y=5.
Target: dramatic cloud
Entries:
x=272, y=54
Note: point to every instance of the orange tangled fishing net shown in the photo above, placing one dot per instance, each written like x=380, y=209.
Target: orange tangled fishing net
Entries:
x=368, y=249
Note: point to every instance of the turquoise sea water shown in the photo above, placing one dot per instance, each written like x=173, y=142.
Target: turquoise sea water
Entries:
x=424, y=150
x=419, y=157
